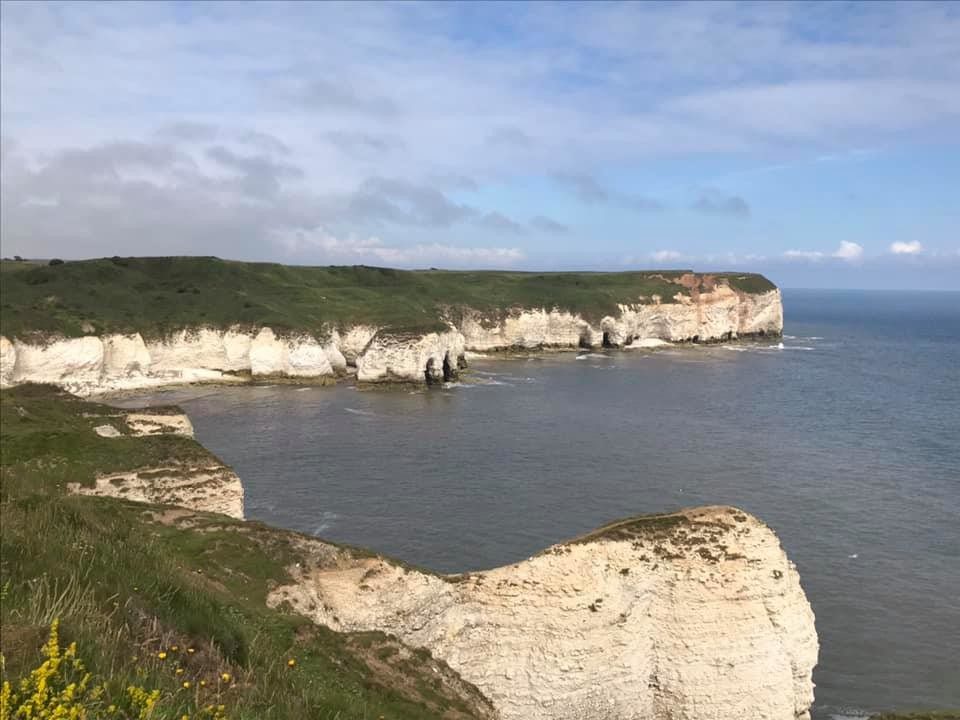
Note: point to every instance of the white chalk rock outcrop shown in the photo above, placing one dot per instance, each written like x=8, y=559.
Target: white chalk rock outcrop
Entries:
x=110, y=363
x=694, y=616
x=206, y=486
x=146, y=422
x=74, y=364
x=434, y=357
x=719, y=314
x=527, y=329
x=8, y=359
x=300, y=357
x=212, y=488
x=354, y=342
x=202, y=349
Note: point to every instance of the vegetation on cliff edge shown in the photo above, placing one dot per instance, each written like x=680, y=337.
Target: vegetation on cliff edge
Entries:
x=157, y=295
x=174, y=602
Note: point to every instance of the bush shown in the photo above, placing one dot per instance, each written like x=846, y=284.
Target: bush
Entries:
x=56, y=261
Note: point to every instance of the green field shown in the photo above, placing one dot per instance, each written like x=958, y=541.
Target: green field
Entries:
x=128, y=582
x=154, y=296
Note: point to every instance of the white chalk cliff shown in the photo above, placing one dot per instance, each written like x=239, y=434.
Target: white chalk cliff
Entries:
x=207, y=486
x=92, y=364
x=694, y=616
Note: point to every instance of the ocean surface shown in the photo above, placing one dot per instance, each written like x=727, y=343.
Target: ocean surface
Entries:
x=845, y=439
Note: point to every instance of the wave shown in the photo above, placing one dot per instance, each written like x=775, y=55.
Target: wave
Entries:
x=326, y=521
x=365, y=413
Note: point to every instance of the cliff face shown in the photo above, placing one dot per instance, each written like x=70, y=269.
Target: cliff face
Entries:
x=721, y=313
x=712, y=311
x=434, y=357
x=206, y=485
x=697, y=615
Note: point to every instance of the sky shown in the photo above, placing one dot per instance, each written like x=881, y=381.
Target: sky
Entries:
x=816, y=143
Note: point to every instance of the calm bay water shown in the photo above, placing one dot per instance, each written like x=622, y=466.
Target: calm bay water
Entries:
x=846, y=441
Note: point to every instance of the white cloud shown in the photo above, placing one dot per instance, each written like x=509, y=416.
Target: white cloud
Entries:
x=352, y=249
x=666, y=255
x=906, y=248
x=849, y=251
x=804, y=255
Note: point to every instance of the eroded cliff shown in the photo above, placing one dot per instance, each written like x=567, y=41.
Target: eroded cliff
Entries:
x=696, y=615
x=704, y=308
x=198, y=481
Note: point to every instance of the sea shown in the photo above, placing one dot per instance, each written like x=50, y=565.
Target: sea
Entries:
x=844, y=436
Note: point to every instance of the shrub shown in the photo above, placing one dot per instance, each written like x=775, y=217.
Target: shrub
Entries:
x=56, y=261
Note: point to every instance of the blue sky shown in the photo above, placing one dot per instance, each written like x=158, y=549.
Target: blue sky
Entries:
x=818, y=143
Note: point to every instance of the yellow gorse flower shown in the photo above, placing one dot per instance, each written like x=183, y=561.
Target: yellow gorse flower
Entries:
x=60, y=688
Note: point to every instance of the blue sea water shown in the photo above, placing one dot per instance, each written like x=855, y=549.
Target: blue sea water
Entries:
x=845, y=439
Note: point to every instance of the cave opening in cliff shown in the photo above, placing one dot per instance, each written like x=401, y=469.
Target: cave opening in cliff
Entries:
x=449, y=372
x=607, y=343
x=430, y=372
x=584, y=339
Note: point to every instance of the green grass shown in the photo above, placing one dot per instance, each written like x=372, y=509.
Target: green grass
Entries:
x=155, y=296
x=127, y=581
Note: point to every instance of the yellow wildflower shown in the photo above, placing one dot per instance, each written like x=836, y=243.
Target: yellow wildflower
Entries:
x=291, y=662
x=162, y=655
x=179, y=671
x=186, y=684
x=225, y=677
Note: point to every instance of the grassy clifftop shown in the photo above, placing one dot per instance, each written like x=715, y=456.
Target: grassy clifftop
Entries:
x=175, y=601
x=156, y=295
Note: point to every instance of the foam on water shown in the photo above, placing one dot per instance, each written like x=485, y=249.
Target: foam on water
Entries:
x=326, y=522
x=364, y=413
